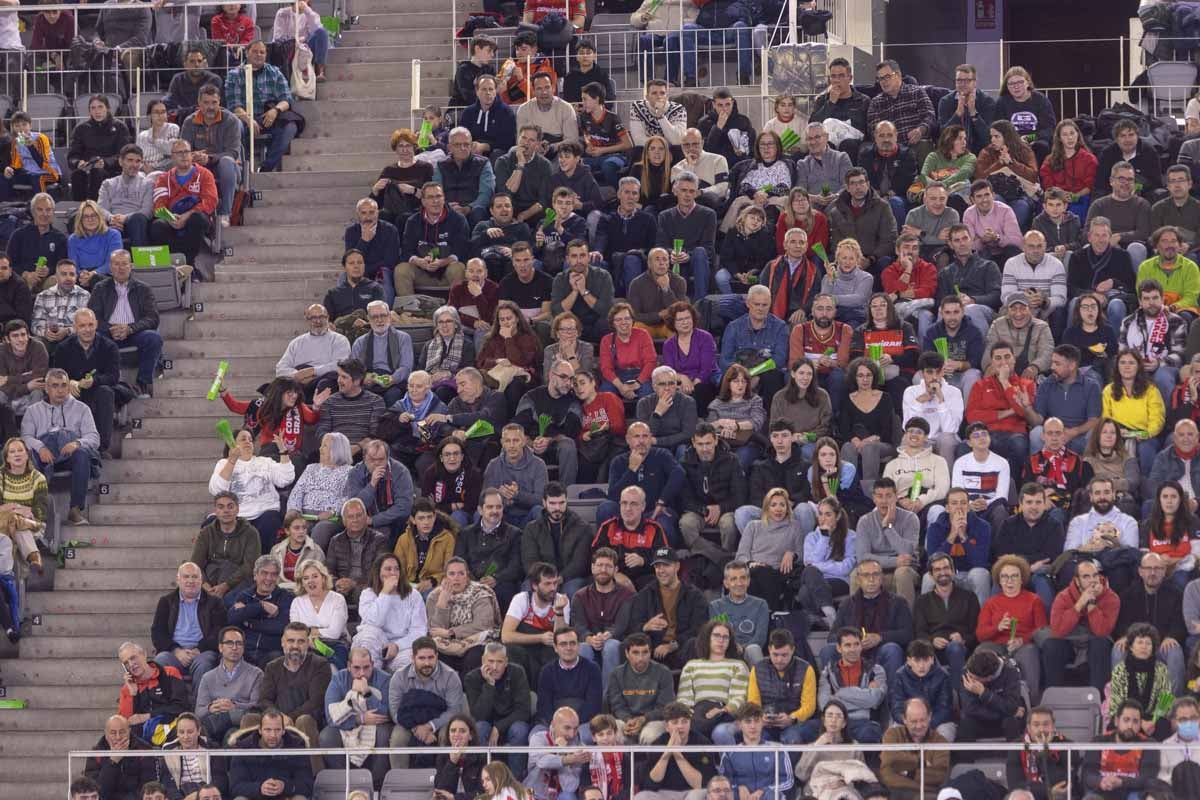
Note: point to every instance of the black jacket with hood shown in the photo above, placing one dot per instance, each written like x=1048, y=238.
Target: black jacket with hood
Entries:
x=716, y=139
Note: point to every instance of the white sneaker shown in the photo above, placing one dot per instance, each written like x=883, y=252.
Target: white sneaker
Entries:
x=224, y=219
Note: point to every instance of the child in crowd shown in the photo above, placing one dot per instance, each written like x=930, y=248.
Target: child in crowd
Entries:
x=233, y=27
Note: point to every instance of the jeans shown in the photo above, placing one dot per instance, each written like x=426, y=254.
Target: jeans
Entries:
x=899, y=209
x=517, y=735
x=1057, y=654
x=79, y=462
x=187, y=240
x=693, y=35
x=1015, y=448
x=890, y=656
x=281, y=135
x=724, y=733
x=981, y=317
x=227, y=174
x=631, y=265
x=149, y=345
x=608, y=659
x=701, y=273
x=977, y=580
x=1165, y=379
x=834, y=383
x=1174, y=659
x=1023, y=210
x=792, y=734
x=1137, y=253
x=954, y=657
x=136, y=230
x=644, y=390
x=103, y=402
x=865, y=731
x=607, y=169
x=201, y=664
x=12, y=598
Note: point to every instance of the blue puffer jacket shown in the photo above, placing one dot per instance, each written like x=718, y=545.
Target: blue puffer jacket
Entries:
x=934, y=688
x=756, y=770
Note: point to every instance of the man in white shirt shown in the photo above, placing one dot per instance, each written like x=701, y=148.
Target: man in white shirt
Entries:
x=938, y=402
x=1103, y=528
x=311, y=358
x=711, y=168
x=984, y=475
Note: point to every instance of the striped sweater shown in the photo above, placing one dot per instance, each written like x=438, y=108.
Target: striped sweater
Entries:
x=1048, y=276
x=725, y=682
x=29, y=489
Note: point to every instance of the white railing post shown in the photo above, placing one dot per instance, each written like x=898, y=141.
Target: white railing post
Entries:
x=1121, y=60
x=793, y=15
x=414, y=101
x=250, y=111
x=454, y=30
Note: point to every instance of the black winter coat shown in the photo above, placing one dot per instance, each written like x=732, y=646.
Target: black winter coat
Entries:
x=92, y=139
x=141, y=301
x=123, y=780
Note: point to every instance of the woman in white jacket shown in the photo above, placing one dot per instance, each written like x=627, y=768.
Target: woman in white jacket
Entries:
x=256, y=480
x=393, y=615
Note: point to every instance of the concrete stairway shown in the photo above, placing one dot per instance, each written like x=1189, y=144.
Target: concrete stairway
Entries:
x=155, y=494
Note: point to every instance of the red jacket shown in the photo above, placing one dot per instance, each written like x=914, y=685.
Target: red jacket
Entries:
x=988, y=398
x=239, y=30
x=638, y=353
x=923, y=279
x=1027, y=608
x=125, y=705
x=1100, y=620
x=819, y=233
x=1078, y=172
x=606, y=408
x=201, y=185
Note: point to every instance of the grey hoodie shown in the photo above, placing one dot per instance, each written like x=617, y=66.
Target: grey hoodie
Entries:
x=41, y=418
x=884, y=544
x=529, y=473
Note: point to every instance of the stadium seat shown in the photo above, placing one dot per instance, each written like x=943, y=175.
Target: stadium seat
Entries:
x=407, y=784
x=331, y=783
x=992, y=770
x=1171, y=85
x=1076, y=711
x=81, y=104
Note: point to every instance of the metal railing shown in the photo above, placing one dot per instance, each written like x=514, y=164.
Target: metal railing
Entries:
x=634, y=752
x=31, y=11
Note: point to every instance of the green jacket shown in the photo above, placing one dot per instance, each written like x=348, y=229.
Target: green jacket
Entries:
x=1181, y=285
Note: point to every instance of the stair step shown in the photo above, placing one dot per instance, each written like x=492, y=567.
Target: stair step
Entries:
x=204, y=328
x=263, y=214
x=379, y=127
x=359, y=177
x=197, y=368
x=71, y=647
x=55, y=719
x=298, y=204
x=178, y=531
x=328, y=253
x=347, y=110
x=33, y=773
x=369, y=161
x=132, y=494
x=55, y=672
x=298, y=233
x=124, y=626
x=109, y=557
x=256, y=269
x=36, y=746
x=433, y=23
x=380, y=6
x=176, y=428
x=210, y=447
x=50, y=790
x=174, y=471
x=152, y=514
x=175, y=386
x=283, y=308
x=102, y=580
x=340, y=56
x=433, y=90
x=229, y=350
x=396, y=66
x=425, y=44
x=179, y=407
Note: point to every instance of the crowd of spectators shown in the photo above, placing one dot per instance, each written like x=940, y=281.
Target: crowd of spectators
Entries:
x=928, y=391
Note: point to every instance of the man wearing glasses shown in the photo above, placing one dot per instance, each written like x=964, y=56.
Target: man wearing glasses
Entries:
x=968, y=107
x=226, y=693
x=189, y=192
x=466, y=177
x=1128, y=213
x=842, y=102
x=555, y=442
x=904, y=105
x=312, y=357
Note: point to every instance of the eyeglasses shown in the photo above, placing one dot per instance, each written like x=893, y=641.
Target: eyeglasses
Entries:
x=1008, y=577
x=566, y=376
x=886, y=76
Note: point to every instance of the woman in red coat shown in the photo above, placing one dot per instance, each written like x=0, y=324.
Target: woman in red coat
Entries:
x=512, y=340
x=1008, y=621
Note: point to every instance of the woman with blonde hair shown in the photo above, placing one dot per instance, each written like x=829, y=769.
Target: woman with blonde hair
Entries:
x=499, y=784
x=1027, y=109
x=829, y=557
x=746, y=249
x=653, y=171
x=849, y=283
x=769, y=546
x=25, y=492
x=91, y=243
x=323, y=610
x=799, y=213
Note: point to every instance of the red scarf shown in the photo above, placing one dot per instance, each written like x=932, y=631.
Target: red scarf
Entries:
x=605, y=770
x=1186, y=455
x=1056, y=467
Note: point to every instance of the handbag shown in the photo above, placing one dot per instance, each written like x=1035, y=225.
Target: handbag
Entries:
x=304, y=77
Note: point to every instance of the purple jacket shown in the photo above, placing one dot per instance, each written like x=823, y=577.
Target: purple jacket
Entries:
x=700, y=364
